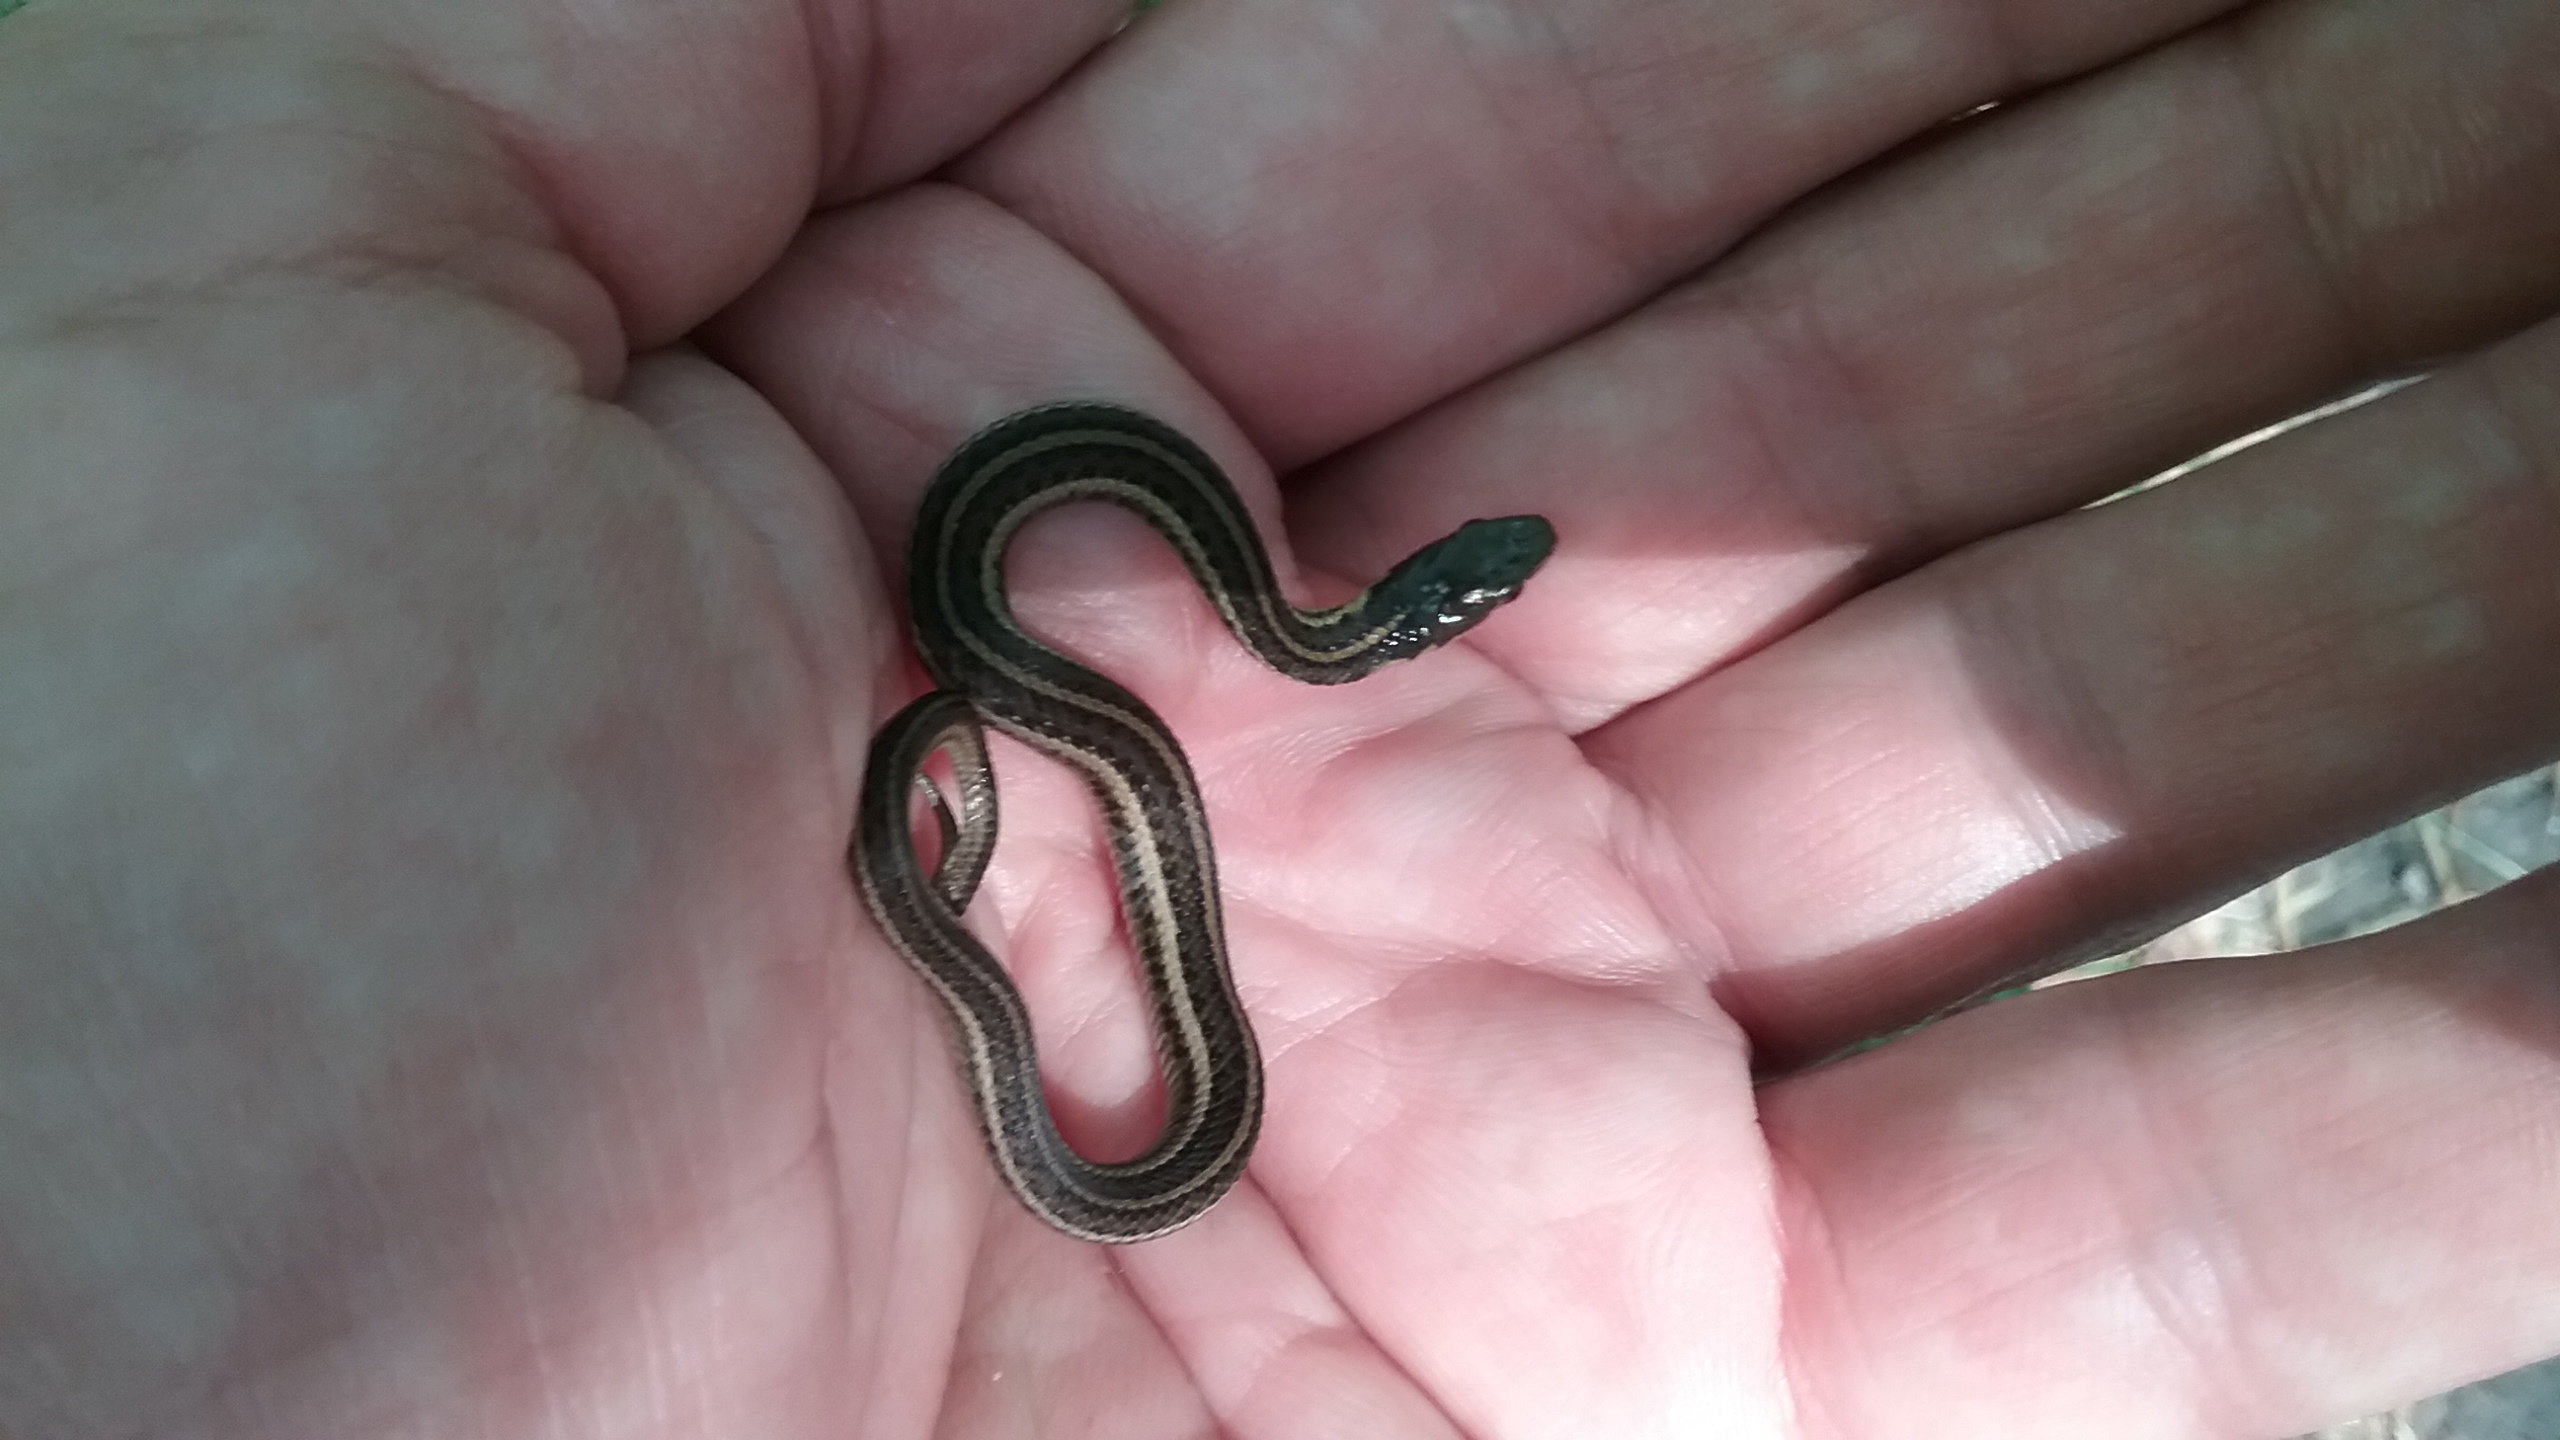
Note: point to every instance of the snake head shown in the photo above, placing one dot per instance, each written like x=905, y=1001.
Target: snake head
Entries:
x=1443, y=589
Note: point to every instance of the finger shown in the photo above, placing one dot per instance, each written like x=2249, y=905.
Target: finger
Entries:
x=2240, y=1197
x=1337, y=214
x=2071, y=736
x=907, y=84
x=614, y=182
x=2038, y=311
x=895, y=329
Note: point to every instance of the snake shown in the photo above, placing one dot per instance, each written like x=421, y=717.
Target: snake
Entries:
x=992, y=672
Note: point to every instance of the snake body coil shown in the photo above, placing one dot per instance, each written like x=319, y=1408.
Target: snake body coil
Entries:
x=993, y=671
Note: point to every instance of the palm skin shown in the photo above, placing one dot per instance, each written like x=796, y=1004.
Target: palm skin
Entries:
x=430, y=997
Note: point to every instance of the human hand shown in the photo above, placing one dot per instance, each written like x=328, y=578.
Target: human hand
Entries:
x=442, y=1002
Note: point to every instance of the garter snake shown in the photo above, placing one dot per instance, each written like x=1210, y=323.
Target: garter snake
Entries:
x=992, y=671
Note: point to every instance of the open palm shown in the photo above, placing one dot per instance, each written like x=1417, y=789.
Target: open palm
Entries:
x=431, y=1000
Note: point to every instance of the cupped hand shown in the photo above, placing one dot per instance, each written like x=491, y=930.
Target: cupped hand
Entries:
x=431, y=1000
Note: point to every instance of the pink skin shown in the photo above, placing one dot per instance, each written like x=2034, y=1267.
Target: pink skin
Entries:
x=431, y=1001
